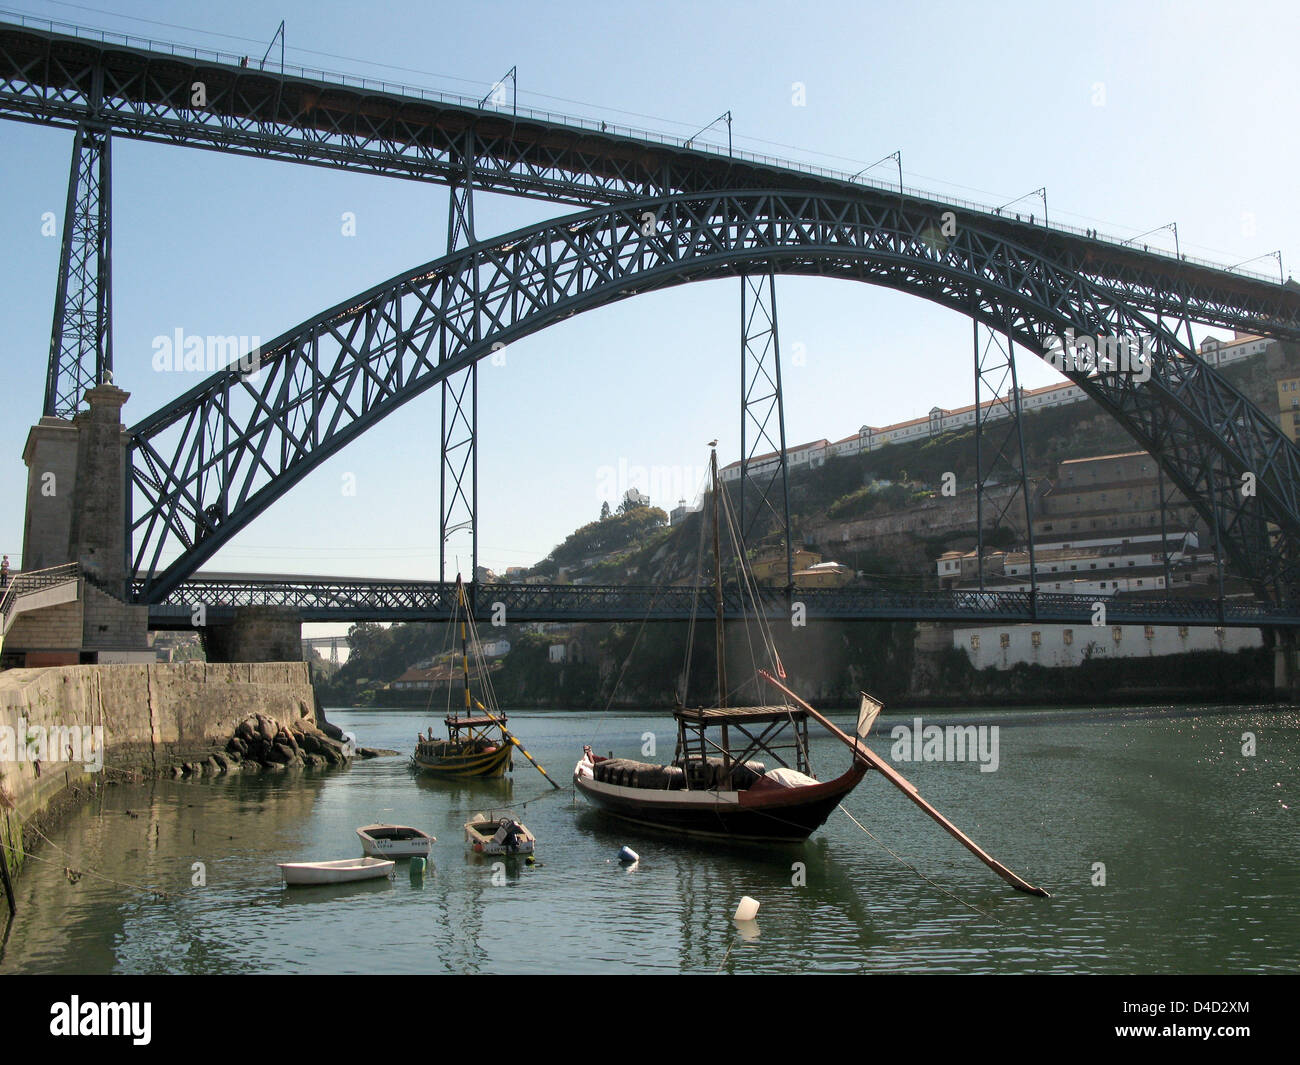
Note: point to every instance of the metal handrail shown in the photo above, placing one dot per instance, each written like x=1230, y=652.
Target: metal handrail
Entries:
x=595, y=125
x=23, y=582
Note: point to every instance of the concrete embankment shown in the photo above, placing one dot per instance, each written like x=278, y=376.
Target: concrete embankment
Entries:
x=65, y=730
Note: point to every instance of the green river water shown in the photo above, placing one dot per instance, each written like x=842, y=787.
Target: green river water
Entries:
x=1198, y=840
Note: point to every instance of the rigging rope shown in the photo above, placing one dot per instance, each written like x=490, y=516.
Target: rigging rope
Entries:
x=142, y=889
x=917, y=871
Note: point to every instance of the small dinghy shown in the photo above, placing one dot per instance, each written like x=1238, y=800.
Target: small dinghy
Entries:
x=395, y=841
x=340, y=872
x=498, y=834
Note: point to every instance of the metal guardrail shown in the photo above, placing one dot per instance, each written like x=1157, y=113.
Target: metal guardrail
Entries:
x=24, y=582
x=354, y=81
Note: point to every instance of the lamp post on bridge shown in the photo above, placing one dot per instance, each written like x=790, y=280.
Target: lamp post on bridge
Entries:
x=1178, y=254
x=897, y=157
x=1042, y=192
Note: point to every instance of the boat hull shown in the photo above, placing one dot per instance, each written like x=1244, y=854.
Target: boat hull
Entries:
x=475, y=764
x=526, y=846
x=767, y=815
x=341, y=872
x=480, y=831
x=416, y=845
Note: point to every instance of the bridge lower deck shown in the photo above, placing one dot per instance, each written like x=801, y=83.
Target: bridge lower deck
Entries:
x=320, y=599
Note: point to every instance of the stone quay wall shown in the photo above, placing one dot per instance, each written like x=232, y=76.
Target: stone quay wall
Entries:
x=149, y=719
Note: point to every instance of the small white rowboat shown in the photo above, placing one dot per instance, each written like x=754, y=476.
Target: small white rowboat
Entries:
x=335, y=872
x=498, y=834
x=395, y=841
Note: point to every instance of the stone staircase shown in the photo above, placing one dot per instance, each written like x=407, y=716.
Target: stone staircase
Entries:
x=36, y=590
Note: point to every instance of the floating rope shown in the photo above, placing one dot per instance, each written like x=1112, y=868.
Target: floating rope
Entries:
x=917, y=871
x=74, y=875
x=728, y=954
x=542, y=795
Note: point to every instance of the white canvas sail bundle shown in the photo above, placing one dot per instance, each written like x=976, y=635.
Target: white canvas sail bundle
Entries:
x=868, y=710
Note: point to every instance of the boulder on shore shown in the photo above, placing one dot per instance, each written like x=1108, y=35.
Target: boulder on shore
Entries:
x=259, y=742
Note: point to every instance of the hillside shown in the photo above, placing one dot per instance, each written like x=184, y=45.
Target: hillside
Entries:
x=639, y=665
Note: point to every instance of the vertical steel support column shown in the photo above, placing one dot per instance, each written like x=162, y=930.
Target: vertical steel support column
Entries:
x=1218, y=543
x=1219, y=517
x=458, y=488
x=81, y=337
x=1164, y=528
x=760, y=406
x=979, y=450
x=1004, y=452
x=1024, y=472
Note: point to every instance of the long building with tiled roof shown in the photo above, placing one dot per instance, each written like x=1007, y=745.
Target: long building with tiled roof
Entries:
x=938, y=421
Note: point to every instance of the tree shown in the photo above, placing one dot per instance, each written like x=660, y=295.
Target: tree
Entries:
x=604, y=510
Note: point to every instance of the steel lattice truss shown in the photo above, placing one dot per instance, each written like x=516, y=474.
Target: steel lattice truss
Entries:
x=81, y=340
x=762, y=416
x=63, y=80
x=999, y=441
x=209, y=101
x=319, y=599
x=206, y=465
x=58, y=79
x=458, y=483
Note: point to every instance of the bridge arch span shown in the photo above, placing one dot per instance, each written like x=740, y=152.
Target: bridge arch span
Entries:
x=207, y=464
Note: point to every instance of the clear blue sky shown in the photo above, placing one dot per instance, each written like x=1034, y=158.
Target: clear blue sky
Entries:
x=1194, y=124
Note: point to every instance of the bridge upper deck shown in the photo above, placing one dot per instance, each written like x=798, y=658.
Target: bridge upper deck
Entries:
x=146, y=90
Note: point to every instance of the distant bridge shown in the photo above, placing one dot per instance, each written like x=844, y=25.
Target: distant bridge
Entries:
x=328, y=599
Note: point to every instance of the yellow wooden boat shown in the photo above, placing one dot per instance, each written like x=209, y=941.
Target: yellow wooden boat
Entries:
x=477, y=743
x=475, y=747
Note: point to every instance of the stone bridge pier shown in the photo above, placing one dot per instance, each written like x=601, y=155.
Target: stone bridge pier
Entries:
x=257, y=634
x=76, y=512
x=1285, y=674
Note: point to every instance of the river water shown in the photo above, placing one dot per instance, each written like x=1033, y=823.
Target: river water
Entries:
x=1198, y=841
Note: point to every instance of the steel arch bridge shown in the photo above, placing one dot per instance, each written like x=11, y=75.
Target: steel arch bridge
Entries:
x=206, y=465
x=664, y=212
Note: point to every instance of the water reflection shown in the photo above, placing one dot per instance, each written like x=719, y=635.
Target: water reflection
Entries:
x=318, y=894
x=1197, y=841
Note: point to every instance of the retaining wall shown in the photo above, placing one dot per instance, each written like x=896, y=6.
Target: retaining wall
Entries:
x=152, y=717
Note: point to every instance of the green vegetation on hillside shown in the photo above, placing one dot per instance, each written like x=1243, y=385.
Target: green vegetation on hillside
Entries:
x=596, y=541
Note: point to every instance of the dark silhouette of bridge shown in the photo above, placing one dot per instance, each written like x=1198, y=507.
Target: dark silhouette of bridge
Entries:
x=652, y=213
x=331, y=599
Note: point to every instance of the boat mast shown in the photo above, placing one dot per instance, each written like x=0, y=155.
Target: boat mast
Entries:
x=464, y=650
x=719, y=632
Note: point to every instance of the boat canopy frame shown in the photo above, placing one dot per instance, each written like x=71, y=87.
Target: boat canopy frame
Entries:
x=476, y=727
x=694, y=742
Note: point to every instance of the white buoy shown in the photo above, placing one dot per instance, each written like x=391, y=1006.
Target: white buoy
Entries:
x=747, y=910
x=627, y=854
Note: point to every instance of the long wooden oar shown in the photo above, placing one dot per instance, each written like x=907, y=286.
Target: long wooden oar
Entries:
x=510, y=736
x=862, y=751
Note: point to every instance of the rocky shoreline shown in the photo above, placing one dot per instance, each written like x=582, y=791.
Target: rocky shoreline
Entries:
x=261, y=743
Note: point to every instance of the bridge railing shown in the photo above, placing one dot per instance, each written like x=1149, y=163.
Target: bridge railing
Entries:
x=23, y=582
x=356, y=81
x=323, y=599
